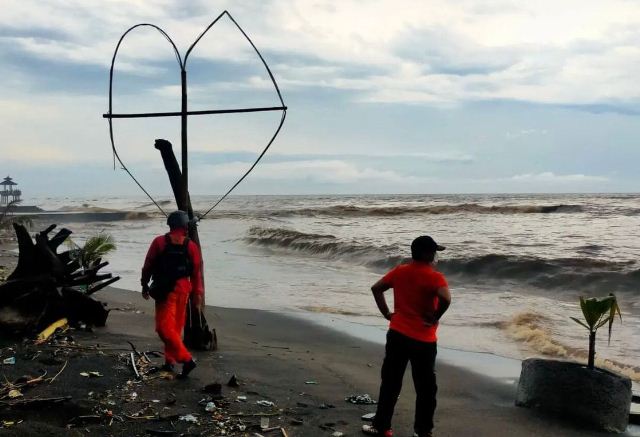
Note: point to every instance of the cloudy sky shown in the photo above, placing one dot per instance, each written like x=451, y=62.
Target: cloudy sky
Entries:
x=384, y=96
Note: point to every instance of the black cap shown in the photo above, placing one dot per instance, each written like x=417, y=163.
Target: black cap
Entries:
x=425, y=243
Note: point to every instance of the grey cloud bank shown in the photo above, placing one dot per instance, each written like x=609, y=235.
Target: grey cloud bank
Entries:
x=409, y=96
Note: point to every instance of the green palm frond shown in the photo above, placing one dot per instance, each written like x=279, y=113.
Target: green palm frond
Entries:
x=97, y=247
x=580, y=322
x=598, y=312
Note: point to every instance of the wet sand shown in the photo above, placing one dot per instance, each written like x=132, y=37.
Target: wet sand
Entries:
x=275, y=356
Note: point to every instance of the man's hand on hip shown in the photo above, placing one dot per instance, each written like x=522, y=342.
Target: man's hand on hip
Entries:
x=430, y=320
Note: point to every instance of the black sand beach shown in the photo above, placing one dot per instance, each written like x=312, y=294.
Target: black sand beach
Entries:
x=273, y=356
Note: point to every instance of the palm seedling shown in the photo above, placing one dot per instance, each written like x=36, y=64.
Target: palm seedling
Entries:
x=597, y=312
x=92, y=250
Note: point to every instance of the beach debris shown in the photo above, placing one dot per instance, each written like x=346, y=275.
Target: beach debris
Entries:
x=14, y=394
x=82, y=420
x=284, y=432
x=337, y=434
x=58, y=374
x=10, y=423
x=233, y=382
x=210, y=407
x=92, y=374
x=264, y=423
x=326, y=406
x=363, y=399
x=189, y=418
x=36, y=402
x=368, y=417
x=47, y=286
x=133, y=365
x=265, y=403
x=161, y=432
x=311, y=383
x=241, y=398
x=61, y=324
x=9, y=361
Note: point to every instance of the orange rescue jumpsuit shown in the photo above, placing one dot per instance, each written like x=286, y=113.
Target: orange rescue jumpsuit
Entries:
x=171, y=313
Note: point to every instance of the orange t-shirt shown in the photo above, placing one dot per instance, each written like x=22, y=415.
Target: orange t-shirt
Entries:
x=415, y=288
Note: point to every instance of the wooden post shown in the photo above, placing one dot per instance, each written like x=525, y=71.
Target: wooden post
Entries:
x=196, y=332
x=185, y=158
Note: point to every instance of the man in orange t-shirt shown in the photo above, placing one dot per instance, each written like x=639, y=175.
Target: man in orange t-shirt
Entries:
x=421, y=297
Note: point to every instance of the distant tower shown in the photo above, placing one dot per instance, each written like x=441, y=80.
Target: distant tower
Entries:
x=7, y=191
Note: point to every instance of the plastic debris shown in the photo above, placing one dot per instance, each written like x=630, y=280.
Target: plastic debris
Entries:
x=337, y=434
x=9, y=361
x=49, y=330
x=364, y=399
x=311, y=383
x=264, y=423
x=241, y=399
x=92, y=374
x=264, y=403
x=189, y=418
x=210, y=407
x=14, y=394
x=10, y=423
x=368, y=417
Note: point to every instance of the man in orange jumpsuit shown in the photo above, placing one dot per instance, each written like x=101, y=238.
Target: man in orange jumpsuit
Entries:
x=174, y=264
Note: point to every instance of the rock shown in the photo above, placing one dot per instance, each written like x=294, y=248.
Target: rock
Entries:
x=596, y=398
x=233, y=382
x=214, y=389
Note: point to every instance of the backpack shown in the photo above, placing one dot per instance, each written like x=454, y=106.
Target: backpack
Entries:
x=172, y=264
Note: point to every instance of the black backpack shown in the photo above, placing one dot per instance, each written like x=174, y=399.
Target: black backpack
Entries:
x=172, y=264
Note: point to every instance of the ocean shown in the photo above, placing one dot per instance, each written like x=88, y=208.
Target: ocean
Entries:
x=516, y=264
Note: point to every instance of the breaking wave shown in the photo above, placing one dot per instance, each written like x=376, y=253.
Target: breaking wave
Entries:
x=325, y=246
x=357, y=211
x=584, y=274
x=529, y=329
x=87, y=214
x=579, y=274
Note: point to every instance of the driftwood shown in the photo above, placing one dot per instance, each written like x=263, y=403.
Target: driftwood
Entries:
x=196, y=331
x=47, y=286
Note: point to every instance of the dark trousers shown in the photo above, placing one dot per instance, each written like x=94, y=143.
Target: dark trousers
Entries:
x=399, y=351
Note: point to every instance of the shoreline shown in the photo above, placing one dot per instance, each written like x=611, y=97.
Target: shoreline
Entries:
x=275, y=350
